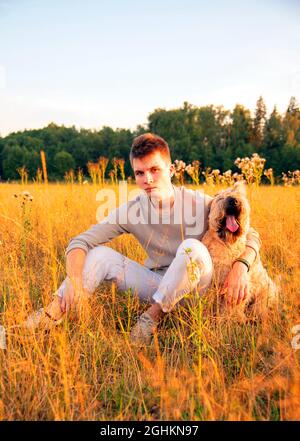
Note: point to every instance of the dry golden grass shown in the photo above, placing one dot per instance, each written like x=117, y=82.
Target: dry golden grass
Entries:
x=199, y=368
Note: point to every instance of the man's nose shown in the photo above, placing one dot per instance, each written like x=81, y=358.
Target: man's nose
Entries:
x=148, y=177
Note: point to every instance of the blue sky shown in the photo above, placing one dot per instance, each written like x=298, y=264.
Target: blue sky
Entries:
x=93, y=63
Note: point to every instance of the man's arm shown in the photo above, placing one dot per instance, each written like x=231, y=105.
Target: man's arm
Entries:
x=74, y=289
x=76, y=253
x=100, y=233
x=237, y=280
x=253, y=242
x=253, y=245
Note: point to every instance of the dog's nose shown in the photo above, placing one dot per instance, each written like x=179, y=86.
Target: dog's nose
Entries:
x=232, y=202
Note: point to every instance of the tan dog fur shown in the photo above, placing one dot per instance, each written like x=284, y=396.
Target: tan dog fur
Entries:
x=225, y=246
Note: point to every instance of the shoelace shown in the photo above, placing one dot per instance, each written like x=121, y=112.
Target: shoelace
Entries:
x=146, y=320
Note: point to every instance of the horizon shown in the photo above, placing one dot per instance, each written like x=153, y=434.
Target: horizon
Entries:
x=94, y=64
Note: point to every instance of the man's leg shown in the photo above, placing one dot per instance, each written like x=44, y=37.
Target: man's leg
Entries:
x=191, y=270
x=105, y=264
x=102, y=264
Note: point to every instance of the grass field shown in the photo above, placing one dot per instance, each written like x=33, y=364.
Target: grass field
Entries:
x=199, y=368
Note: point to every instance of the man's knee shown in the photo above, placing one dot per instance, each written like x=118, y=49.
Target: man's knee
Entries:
x=197, y=251
x=192, y=247
x=102, y=263
x=101, y=254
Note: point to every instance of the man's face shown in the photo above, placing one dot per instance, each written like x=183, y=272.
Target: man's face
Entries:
x=153, y=175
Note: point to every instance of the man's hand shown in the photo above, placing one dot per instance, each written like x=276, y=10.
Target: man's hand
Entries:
x=74, y=287
x=236, y=284
x=73, y=294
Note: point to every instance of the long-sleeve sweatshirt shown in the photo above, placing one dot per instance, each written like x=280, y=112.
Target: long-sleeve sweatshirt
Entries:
x=159, y=234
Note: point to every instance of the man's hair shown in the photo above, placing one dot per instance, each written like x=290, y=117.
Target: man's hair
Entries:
x=147, y=144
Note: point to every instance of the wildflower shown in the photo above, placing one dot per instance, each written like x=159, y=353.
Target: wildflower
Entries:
x=269, y=174
x=193, y=171
x=189, y=169
x=179, y=170
x=112, y=176
x=24, y=195
x=252, y=169
x=27, y=196
x=179, y=165
x=193, y=269
x=237, y=176
x=291, y=178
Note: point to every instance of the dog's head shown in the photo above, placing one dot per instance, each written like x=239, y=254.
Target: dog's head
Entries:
x=229, y=214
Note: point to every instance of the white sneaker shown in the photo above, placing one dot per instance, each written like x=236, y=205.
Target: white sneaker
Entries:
x=142, y=332
x=2, y=337
x=46, y=318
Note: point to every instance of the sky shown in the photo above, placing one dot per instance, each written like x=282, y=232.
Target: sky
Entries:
x=111, y=63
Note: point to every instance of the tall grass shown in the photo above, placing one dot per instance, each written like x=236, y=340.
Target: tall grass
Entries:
x=200, y=367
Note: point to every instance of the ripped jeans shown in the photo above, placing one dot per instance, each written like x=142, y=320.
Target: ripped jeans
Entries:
x=190, y=270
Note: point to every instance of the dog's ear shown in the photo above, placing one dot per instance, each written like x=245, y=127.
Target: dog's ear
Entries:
x=240, y=186
x=218, y=194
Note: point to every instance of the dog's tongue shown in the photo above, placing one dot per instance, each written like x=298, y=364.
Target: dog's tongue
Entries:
x=231, y=224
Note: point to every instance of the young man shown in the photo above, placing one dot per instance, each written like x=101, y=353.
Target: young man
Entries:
x=169, y=222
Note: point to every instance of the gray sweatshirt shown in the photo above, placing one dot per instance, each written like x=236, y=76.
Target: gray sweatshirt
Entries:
x=160, y=234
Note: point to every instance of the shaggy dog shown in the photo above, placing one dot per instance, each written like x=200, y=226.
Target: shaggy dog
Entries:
x=229, y=221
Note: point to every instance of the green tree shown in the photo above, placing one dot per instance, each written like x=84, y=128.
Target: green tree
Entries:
x=210, y=134
x=291, y=123
x=240, y=132
x=293, y=107
x=32, y=161
x=1, y=157
x=274, y=140
x=13, y=158
x=63, y=161
x=259, y=123
x=290, y=159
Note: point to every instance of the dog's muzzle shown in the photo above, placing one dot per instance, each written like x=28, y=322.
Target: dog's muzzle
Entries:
x=232, y=210
x=232, y=207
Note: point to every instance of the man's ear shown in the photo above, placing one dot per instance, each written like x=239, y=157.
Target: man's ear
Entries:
x=172, y=170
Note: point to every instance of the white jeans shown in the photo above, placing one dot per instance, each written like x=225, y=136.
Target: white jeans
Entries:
x=190, y=270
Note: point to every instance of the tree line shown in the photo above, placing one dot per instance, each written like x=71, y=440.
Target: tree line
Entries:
x=212, y=135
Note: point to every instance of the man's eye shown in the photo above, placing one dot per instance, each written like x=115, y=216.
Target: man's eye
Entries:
x=154, y=170
x=138, y=173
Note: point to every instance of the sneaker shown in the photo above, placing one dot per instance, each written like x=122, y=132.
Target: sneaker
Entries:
x=46, y=318
x=142, y=332
x=2, y=337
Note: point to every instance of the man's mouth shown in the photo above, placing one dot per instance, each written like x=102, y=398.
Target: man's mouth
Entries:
x=150, y=188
